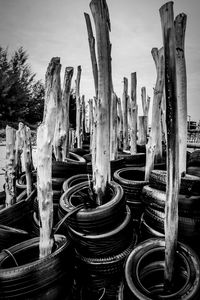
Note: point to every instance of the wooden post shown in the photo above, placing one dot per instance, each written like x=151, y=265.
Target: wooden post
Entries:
x=91, y=40
x=133, y=114
x=142, y=130
x=120, y=124
x=125, y=114
x=154, y=145
x=100, y=14
x=173, y=177
x=91, y=122
x=145, y=104
x=83, y=118
x=44, y=188
x=19, y=150
x=78, y=108
x=28, y=162
x=113, y=132
x=65, y=103
x=10, y=172
x=181, y=77
x=94, y=138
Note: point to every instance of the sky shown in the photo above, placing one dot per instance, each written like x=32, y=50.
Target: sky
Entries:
x=49, y=28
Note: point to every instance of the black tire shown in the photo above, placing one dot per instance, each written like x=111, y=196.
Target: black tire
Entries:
x=135, y=160
x=10, y=236
x=93, y=220
x=104, y=244
x=132, y=181
x=145, y=265
x=194, y=170
x=21, y=182
x=75, y=164
x=116, y=165
x=187, y=205
x=146, y=231
x=73, y=180
x=24, y=276
x=189, y=184
x=194, y=159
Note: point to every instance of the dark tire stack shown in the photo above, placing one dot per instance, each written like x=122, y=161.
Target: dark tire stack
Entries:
x=102, y=236
x=132, y=181
x=135, y=160
x=144, y=272
x=154, y=197
x=193, y=164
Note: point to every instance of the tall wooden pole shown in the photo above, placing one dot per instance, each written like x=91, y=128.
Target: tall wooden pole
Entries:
x=100, y=14
x=120, y=124
x=134, y=113
x=65, y=103
x=181, y=77
x=78, y=108
x=173, y=177
x=113, y=133
x=125, y=114
x=10, y=172
x=28, y=162
x=91, y=41
x=142, y=130
x=19, y=150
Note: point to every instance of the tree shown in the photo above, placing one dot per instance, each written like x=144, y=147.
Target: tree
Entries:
x=21, y=96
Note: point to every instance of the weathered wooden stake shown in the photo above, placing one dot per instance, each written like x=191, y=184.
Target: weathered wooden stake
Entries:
x=125, y=114
x=91, y=122
x=120, y=124
x=83, y=118
x=91, y=40
x=78, y=108
x=28, y=161
x=173, y=177
x=10, y=172
x=142, y=130
x=65, y=103
x=113, y=133
x=44, y=188
x=19, y=150
x=100, y=14
x=181, y=77
x=133, y=114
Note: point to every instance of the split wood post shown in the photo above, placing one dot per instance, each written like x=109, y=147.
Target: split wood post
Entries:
x=45, y=135
x=91, y=122
x=154, y=145
x=10, y=172
x=19, y=150
x=181, y=77
x=83, y=118
x=113, y=133
x=120, y=124
x=173, y=175
x=142, y=130
x=125, y=114
x=94, y=137
x=44, y=188
x=28, y=161
x=145, y=104
x=100, y=14
x=78, y=108
x=65, y=103
x=133, y=114
x=91, y=41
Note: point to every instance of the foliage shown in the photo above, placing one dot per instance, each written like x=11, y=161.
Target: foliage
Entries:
x=21, y=96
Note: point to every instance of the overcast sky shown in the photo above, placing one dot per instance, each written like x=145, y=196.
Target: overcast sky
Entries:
x=48, y=28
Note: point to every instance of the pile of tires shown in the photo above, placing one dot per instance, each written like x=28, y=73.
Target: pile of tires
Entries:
x=135, y=160
x=154, y=197
x=132, y=180
x=102, y=236
x=24, y=276
x=193, y=164
x=144, y=273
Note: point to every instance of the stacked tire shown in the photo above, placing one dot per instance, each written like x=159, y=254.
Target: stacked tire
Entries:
x=193, y=164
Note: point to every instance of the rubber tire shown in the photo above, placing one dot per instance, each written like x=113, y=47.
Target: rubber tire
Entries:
x=194, y=159
x=75, y=179
x=152, y=250
x=36, y=278
x=194, y=170
x=94, y=220
x=135, y=160
x=109, y=243
x=10, y=236
x=189, y=184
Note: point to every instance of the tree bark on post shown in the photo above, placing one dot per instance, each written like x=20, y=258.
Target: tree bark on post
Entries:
x=120, y=124
x=65, y=102
x=173, y=175
x=125, y=114
x=91, y=122
x=181, y=77
x=91, y=40
x=28, y=162
x=19, y=150
x=154, y=145
x=83, y=118
x=145, y=104
x=78, y=108
x=113, y=133
x=100, y=14
x=134, y=113
x=142, y=130
x=45, y=137
x=10, y=172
